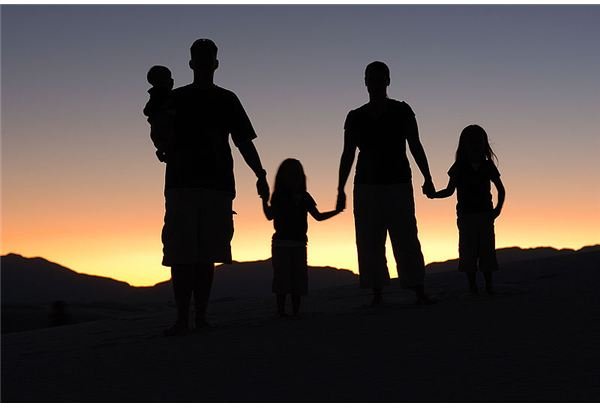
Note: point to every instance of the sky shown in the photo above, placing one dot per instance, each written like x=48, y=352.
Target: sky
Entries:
x=81, y=185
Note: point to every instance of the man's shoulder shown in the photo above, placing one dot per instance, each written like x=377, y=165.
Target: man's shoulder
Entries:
x=214, y=90
x=401, y=106
x=360, y=110
x=357, y=113
x=182, y=89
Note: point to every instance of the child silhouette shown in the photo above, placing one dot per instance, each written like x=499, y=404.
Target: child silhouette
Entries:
x=290, y=204
x=159, y=110
x=470, y=176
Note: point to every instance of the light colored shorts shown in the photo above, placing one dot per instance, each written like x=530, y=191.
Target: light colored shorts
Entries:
x=380, y=210
x=476, y=242
x=290, y=271
x=198, y=226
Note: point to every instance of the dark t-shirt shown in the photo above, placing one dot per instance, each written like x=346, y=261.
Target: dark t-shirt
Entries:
x=204, y=119
x=381, y=142
x=473, y=187
x=290, y=216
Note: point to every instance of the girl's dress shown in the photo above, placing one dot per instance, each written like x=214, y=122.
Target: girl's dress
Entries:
x=290, y=272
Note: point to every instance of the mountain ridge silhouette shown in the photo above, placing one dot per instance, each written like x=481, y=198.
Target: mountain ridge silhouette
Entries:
x=38, y=280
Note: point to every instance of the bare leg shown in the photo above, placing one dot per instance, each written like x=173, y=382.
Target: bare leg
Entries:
x=377, y=297
x=202, y=283
x=281, y=304
x=296, y=299
x=181, y=277
x=472, y=277
x=489, y=286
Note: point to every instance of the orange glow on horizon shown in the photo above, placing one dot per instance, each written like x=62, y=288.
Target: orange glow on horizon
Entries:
x=128, y=247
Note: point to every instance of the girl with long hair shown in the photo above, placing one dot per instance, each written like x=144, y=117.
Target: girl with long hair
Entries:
x=290, y=204
x=471, y=176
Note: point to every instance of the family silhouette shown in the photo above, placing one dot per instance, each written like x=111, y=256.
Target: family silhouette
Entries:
x=190, y=128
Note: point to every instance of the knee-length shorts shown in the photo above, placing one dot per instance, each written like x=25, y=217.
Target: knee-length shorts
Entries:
x=198, y=226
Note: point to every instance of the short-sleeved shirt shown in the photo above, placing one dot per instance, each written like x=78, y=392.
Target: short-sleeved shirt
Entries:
x=381, y=142
x=473, y=186
x=290, y=214
x=204, y=119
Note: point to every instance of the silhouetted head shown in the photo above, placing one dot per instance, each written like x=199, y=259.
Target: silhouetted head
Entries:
x=160, y=77
x=290, y=178
x=377, y=78
x=204, y=56
x=473, y=145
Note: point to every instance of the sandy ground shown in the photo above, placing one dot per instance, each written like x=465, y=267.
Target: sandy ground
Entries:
x=537, y=340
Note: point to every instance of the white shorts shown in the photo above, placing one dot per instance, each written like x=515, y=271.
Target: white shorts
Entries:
x=198, y=226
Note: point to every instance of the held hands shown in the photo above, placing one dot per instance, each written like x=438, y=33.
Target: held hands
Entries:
x=262, y=187
x=428, y=188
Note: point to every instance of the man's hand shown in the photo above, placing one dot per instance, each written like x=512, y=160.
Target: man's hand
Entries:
x=428, y=187
x=428, y=193
x=262, y=187
x=341, y=201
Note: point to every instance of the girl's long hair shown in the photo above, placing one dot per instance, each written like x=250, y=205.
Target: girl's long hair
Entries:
x=474, y=134
x=290, y=180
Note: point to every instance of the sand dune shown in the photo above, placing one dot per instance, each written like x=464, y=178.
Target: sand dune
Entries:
x=536, y=340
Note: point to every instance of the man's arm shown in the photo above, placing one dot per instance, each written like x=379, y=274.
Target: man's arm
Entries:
x=417, y=151
x=250, y=155
x=346, y=162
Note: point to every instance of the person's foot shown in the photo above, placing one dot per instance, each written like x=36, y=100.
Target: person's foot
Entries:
x=376, y=302
x=178, y=329
x=377, y=299
x=203, y=324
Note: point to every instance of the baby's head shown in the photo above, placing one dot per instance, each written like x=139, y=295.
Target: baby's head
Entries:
x=160, y=77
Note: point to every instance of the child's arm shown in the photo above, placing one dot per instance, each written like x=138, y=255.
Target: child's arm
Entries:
x=319, y=216
x=501, y=196
x=267, y=209
x=446, y=192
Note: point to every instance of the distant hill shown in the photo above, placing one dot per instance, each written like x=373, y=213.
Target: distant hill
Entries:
x=514, y=254
x=37, y=280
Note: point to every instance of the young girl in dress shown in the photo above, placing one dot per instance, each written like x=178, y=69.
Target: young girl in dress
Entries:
x=290, y=204
x=470, y=176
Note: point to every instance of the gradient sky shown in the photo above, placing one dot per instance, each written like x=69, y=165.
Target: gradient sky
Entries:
x=81, y=185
